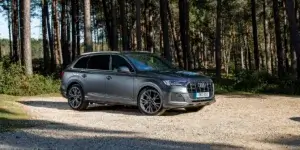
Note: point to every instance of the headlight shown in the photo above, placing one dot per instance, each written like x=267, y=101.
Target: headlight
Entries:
x=174, y=83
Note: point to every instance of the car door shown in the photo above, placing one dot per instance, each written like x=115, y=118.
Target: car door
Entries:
x=95, y=76
x=120, y=85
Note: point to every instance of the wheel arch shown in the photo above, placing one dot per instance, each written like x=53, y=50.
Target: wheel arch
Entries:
x=73, y=82
x=148, y=85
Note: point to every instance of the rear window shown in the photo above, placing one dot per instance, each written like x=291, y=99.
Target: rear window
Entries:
x=100, y=62
x=82, y=63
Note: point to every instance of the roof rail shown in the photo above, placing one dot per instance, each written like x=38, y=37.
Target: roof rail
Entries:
x=100, y=52
x=136, y=52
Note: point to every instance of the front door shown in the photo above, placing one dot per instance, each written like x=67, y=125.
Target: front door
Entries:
x=95, y=77
x=120, y=85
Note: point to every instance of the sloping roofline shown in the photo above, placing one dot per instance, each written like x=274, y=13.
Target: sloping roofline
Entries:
x=115, y=52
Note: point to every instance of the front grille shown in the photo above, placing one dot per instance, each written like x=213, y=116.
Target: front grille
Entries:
x=200, y=87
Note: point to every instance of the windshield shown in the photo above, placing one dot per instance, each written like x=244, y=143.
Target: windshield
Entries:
x=148, y=62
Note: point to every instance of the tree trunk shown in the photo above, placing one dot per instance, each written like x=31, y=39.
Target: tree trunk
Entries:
x=280, y=54
x=266, y=38
x=114, y=26
x=64, y=42
x=87, y=27
x=21, y=55
x=184, y=29
x=50, y=34
x=45, y=38
x=138, y=25
x=56, y=33
x=254, y=28
x=286, y=49
x=108, y=24
x=295, y=37
x=15, y=31
x=165, y=29
x=78, y=27
x=9, y=21
x=218, y=40
x=74, y=20
x=125, y=43
x=174, y=36
x=248, y=51
x=69, y=24
x=242, y=49
x=150, y=33
x=268, y=52
x=26, y=37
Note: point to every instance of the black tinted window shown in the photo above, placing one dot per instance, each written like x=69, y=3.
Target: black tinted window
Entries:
x=99, y=62
x=82, y=63
x=118, y=61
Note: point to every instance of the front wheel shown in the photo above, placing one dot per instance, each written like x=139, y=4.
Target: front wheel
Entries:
x=150, y=102
x=194, y=109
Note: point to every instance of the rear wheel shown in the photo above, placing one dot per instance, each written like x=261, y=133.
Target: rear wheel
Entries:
x=150, y=102
x=194, y=109
x=76, y=98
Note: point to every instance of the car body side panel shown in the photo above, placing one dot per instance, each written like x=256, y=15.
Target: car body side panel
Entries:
x=120, y=86
x=142, y=82
x=94, y=85
x=70, y=77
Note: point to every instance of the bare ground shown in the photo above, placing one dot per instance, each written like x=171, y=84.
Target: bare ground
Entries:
x=233, y=122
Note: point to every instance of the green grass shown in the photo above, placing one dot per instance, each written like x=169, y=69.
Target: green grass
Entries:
x=11, y=114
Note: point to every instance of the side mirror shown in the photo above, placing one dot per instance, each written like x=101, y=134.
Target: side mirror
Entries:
x=123, y=69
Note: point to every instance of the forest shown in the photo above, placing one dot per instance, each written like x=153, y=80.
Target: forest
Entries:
x=244, y=45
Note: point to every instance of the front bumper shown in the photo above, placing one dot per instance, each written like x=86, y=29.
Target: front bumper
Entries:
x=178, y=97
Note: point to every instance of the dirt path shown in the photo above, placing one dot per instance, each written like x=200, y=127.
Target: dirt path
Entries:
x=233, y=122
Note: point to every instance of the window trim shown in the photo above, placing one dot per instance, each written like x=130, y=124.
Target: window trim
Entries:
x=99, y=69
x=110, y=63
x=134, y=69
x=76, y=61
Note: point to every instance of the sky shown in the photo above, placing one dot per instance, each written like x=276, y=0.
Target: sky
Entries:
x=36, y=29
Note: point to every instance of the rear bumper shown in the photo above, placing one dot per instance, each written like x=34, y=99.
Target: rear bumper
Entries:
x=63, y=91
x=178, y=97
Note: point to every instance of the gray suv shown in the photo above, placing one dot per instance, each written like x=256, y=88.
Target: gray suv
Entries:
x=134, y=78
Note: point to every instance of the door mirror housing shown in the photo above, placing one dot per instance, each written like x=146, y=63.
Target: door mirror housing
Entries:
x=123, y=69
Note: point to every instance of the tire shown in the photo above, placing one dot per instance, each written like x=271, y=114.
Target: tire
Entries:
x=76, y=99
x=194, y=109
x=153, y=103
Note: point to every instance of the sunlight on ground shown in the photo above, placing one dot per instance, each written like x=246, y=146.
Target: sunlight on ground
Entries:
x=10, y=110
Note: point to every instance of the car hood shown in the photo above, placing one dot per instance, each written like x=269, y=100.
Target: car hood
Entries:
x=176, y=74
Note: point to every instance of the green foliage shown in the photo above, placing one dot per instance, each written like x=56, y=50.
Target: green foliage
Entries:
x=14, y=82
x=258, y=82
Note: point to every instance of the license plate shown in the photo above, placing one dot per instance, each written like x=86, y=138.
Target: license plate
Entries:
x=202, y=94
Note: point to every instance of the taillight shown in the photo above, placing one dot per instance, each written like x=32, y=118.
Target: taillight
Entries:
x=62, y=74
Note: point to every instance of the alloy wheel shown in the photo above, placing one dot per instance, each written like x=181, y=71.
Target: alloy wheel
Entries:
x=75, y=97
x=150, y=101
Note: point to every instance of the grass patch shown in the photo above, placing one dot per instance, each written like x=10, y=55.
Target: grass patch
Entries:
x=14, y=82
x=11, y=113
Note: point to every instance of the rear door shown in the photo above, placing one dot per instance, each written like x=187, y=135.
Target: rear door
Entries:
x=119, y=85
x=95, y=76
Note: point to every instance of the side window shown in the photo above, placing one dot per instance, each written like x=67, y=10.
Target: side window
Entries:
x=82, y=63
x=118, y=61
x=100, y=62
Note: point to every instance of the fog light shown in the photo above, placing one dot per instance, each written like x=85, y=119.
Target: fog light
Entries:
x=177, y=97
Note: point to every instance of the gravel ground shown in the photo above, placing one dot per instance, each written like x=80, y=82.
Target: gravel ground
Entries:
x=233, y=122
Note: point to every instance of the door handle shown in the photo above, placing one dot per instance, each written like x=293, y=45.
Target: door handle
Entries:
x=108, y=77
x=83, y=75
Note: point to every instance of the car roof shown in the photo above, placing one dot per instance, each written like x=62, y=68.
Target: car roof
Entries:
x=115, y=52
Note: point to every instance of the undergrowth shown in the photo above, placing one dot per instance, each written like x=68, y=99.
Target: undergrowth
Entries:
x=14, y=82
x=258, y=82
